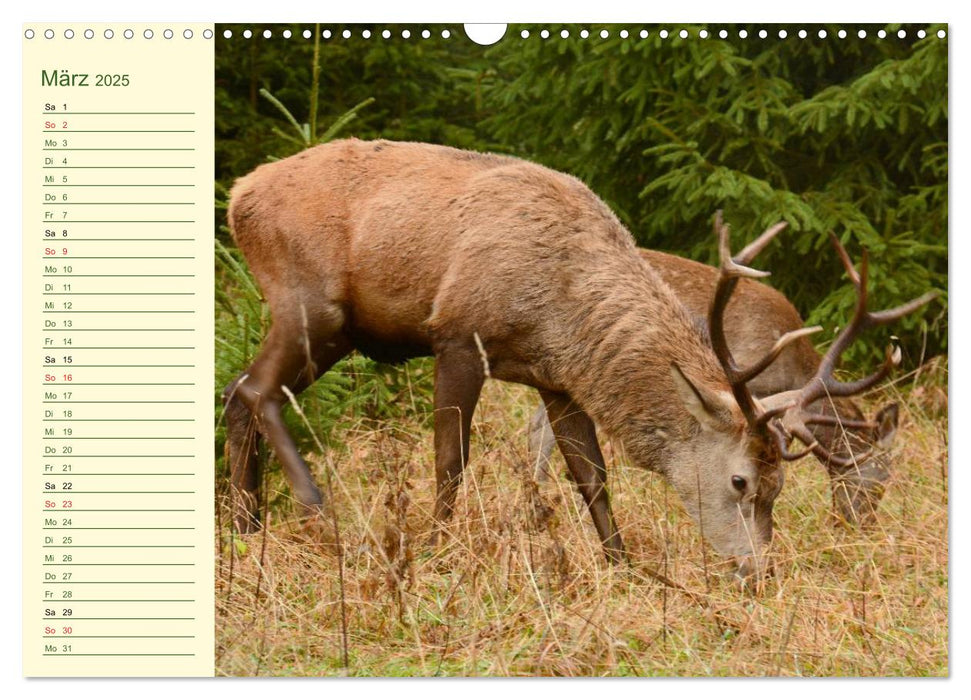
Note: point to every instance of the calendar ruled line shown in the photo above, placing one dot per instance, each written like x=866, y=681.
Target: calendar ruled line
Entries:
x=124, y=583
x=119, y=167
x=65, y=148
x=141, y=456
x=68, y=655
x=124, y=564
x=119, y=294
x=119, y=131
x=73, y=275
x=119, y=492
x=115, y=366
x=122, y=204
x=78, y=401
x=130, y=114
x=118, y=330
x=121, y=311
x=119, y=636
x=115, y=221
x=69, y=384
x=129, y=240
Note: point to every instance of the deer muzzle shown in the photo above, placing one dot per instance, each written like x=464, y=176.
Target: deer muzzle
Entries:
x=751, y=568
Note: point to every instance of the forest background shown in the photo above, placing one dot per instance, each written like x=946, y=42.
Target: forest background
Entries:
x=830, y=132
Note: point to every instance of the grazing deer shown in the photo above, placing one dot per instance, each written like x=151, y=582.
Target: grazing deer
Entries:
x=756, y=316
x=502, y=268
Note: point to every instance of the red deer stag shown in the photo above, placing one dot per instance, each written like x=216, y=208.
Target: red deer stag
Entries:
x=405, y=249
x=756, y=316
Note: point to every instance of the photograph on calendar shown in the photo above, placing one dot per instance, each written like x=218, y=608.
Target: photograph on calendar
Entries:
x=581, y=350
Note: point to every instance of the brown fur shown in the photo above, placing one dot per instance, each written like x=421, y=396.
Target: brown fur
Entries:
x=404, y=249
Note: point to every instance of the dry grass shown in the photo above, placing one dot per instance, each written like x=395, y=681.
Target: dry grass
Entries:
x=520, y=588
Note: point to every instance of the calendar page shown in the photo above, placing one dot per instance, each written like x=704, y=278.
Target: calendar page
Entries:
x=533, y=350
x=118, y=273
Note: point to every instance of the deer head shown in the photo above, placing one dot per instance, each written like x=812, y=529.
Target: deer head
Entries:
x=742, y=514
x=727, y=475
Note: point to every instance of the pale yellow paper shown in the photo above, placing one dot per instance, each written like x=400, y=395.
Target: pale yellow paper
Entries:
x=117, y=352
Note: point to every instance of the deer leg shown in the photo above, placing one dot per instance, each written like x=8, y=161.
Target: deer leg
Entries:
x=541, y=444
x=458, y=382
x=577, y=439
x=258, y=393
x=242, y=452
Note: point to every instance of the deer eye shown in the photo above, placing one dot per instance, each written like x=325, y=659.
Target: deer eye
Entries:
x=739, y=483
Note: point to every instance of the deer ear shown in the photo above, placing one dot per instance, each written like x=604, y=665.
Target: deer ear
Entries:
x=712, y=409
x=887, y=420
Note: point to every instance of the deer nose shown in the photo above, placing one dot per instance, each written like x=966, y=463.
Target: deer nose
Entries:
x=751, y=568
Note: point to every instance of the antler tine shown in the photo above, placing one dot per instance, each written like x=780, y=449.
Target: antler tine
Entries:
x=860, y=319
x=845, y=258
x=782, y=441
x=879, y=318
x=796, y=419
x=756, y=369
x=735, y=265
x=747, y=253
x=826, y=456
x=859, y=280
x=837, y=388
x=765, y=418
x=833, y=421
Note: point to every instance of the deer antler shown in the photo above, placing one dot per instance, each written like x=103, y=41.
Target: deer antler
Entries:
x=733, y=269
x=786, y=415
x=794, y=406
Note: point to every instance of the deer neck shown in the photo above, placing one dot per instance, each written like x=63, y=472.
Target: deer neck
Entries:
x=628, y=327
